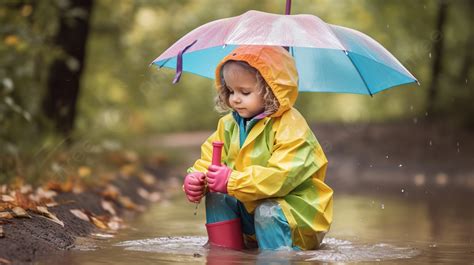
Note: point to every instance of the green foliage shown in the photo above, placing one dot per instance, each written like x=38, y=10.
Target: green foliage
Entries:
x=121, y=96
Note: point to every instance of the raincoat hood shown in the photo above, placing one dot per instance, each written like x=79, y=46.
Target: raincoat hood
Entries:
x=275, y=65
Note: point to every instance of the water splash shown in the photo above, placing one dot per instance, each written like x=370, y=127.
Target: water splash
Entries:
x=334, y=250
x=171, y=245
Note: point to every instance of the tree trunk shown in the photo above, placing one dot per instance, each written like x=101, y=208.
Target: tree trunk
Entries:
x=467, y=63
x=437, y=55
x=59, y=104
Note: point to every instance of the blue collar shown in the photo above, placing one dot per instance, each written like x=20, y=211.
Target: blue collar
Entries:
x=245, y=125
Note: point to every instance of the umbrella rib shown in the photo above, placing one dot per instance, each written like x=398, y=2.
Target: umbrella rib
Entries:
x=361, y=77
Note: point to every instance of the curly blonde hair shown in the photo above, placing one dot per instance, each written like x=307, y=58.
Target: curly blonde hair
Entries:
x=223, y=92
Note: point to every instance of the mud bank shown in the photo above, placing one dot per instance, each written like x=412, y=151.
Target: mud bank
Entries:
x=24, y=240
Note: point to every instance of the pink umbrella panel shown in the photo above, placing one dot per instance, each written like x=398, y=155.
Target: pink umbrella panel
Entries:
x=329, y=58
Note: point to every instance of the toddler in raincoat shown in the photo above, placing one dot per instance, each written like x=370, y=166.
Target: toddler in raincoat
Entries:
x=270, y=185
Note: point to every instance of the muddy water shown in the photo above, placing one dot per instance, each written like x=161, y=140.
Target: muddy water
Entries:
x=386, y=229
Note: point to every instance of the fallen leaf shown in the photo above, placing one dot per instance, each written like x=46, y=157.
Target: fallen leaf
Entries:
x=109, y=207
x=23, y=201
x=44, y=211
x=48, y=194
x=111, y=192
x=143, y=193
x=127, y=203
x=20, y=212
x=101, y=236
x=98, y=223
x=7, y=198
x=4, y=261
x=26, y=189
x=80, y=214
x=84, y=171
x=114, y=225
x=128, y=169
x=52, y=204
x=154, y=196
x=147, y=179
x=6, y=215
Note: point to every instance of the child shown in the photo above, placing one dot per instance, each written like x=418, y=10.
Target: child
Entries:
x=271, y=184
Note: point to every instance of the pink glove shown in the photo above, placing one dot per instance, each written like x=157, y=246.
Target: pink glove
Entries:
x=217, y=178
x=194, y=186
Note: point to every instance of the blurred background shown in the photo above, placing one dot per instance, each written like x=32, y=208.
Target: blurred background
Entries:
x=76, y=74
x=80, y=105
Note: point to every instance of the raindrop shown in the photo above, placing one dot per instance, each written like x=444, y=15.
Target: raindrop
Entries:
x=415, y=120
x=431, y=143
x=400, y=165
x=433, y=245
x=371, y=165
x=426, y=113
x=466, y=80
x=429, y=55
x=403, y=190
x=382, y=206
x=411, y=107
x=388, y=26
x=386, y=156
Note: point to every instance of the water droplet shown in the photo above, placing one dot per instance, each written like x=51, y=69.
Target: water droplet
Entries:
x=466, y=80
x=431, y=143
x=388, y=26
x=386, y=156
x=429, y=55
x=403, y=190
x=415, y=120
x=382, y=206
x=426, y=113
x=371, y=165
x=411, y=107
x=400, y=165
x=433, y=245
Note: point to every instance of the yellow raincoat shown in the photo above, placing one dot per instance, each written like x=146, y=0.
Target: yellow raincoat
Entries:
x=280, y=159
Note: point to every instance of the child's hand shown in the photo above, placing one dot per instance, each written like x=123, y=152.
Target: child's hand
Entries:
x=194, y=186
x=217, y=178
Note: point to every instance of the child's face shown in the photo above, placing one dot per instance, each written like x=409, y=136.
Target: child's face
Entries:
x=244, y=91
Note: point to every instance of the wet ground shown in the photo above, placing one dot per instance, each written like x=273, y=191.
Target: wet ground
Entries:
x=403, y=195
x=387, y=229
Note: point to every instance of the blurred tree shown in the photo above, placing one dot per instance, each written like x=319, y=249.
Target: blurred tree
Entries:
x=438, y=45
x=65, y=72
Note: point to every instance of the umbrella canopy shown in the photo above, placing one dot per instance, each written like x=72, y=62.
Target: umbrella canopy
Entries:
x=329, y=58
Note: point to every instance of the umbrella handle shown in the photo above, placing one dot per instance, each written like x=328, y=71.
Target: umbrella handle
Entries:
x=288, y=7
x=179, y=63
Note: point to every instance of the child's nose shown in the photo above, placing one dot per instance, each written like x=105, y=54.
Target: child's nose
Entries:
x=236, y=99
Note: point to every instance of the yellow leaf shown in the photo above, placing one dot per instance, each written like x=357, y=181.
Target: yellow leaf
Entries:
x=79, y=214
x=127, y=203
x=6, y=215
x=44, y=211
x=111, y=192
x=128, y=169
x=147, y=179
x=109, y=207
x=26, y=10
x=98, y=223
x=84, y=171
x=20, y=212
x=7, y=198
